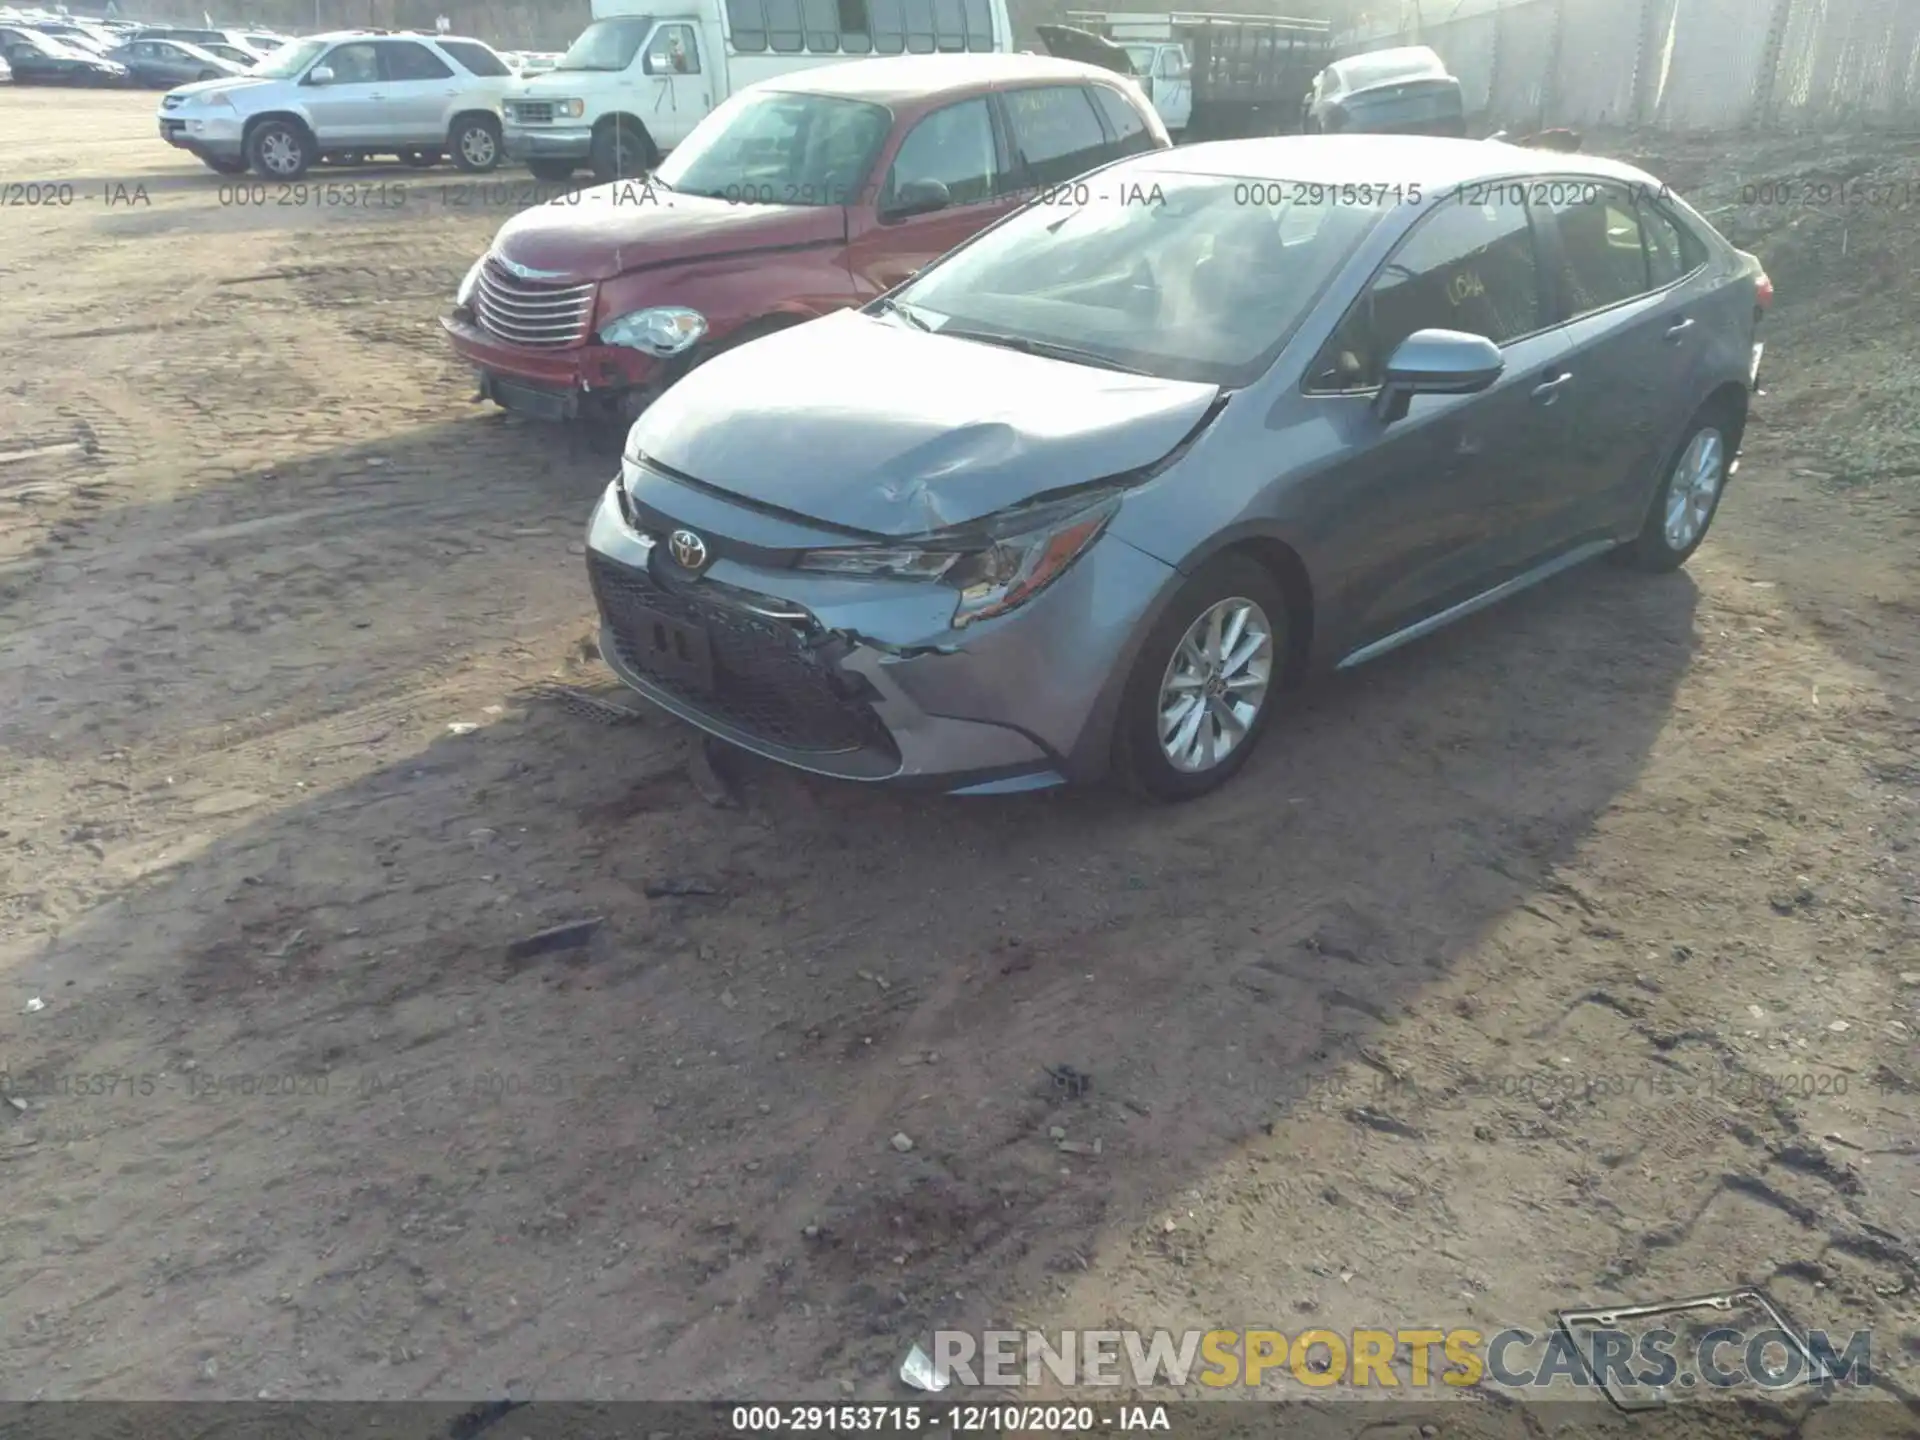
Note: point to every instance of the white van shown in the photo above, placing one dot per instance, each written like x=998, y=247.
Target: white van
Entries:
x=645, y=72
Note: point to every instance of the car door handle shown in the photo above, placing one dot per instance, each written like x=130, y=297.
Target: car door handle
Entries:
x=1675, y=331
x=1548, y=393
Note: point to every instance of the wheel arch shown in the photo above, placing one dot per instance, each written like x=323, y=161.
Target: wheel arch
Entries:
x=1735, y=399
x=288, y=117
x=472, y=112
x=614, y=118
x=1092, y=754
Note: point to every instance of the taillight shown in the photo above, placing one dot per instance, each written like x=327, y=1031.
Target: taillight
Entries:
x=1763, y=291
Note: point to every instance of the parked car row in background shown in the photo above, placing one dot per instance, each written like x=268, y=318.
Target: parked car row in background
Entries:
x=48, y=47
x=356, y=93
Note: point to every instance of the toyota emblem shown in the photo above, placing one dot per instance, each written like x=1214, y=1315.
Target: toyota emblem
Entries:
x=689, y=550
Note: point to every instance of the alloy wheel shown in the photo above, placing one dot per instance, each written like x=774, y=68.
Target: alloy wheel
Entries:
x=281, y=152
x=477, y=145
x=1693, y=489
x=1215, y=685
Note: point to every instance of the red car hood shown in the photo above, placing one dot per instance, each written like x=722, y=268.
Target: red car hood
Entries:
x=630, y=225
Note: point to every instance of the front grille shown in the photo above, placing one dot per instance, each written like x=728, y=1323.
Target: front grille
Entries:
x=531, y=312
x=767, y=681
x=530, y=112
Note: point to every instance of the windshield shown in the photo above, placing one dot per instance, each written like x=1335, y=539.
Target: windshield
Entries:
x=768, y=147
x=46, y=45
x=290, y=59
x=1187, y=277
x=607, y=44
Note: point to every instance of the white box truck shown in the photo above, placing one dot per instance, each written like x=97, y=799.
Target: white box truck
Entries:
x=645, y=72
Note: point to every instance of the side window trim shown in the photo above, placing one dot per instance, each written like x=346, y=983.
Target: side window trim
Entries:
x=1548, y=308
x=1006, y=177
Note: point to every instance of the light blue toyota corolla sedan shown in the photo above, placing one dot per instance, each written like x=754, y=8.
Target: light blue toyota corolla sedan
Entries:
x=1091, y=492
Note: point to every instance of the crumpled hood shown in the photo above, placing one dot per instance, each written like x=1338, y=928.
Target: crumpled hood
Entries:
x=610, y=229
x=864, y=424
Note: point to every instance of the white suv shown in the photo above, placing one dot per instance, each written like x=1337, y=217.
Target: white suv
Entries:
x=355, y=93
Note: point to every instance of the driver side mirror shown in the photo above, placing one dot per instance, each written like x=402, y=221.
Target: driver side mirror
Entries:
x=919, y=197
x=1437, y=362
x=320, y=75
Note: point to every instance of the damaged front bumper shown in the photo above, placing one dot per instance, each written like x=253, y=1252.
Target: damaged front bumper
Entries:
x=865, y=680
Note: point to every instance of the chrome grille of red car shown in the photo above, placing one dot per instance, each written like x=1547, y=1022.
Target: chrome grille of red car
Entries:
x=535, y=313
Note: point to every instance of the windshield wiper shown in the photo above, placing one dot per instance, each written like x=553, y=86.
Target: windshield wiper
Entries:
x=889, y=305
x=1045, y=349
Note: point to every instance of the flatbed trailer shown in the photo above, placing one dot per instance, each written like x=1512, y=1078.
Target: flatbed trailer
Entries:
x=1250, y=73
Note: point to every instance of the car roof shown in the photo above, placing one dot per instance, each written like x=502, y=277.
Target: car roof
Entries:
x=931, y=77
x=331, y=35
x=1407, y=56
x=1431, y=163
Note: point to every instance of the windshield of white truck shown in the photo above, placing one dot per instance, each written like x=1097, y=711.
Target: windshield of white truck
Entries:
x=607, y=44
x=768, y=147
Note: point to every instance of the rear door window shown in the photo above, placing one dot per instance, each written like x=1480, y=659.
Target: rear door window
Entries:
x=407, y=61
x=1603, y=258
x=1056, y=133
x=1464, y=267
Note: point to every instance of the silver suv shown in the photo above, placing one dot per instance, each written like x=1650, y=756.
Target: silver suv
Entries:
x=350, y=94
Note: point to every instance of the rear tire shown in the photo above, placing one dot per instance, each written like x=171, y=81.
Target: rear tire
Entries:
x=1688, y=498
x=1174, y=674
x=475, y=143
x=279, y=150
x=622, y=153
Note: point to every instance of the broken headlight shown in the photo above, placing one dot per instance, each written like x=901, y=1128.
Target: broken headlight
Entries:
x=996, y=564
x=665, y=330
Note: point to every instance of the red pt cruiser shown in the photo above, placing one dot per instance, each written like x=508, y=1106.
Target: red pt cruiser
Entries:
x=798, y=196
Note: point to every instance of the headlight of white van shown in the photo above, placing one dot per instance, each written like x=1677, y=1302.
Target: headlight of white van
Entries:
x=463, y=297
x=667, y=330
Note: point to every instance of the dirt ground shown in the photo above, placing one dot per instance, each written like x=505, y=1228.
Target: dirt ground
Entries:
x=1569, y=956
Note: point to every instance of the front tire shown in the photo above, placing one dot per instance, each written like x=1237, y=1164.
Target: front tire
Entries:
x=1205, y=684
x=1688, y=498
x=277, y=150
x=475, y=143
x=621, y=153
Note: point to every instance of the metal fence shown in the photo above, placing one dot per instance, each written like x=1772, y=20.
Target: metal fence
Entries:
x=1673, y=64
